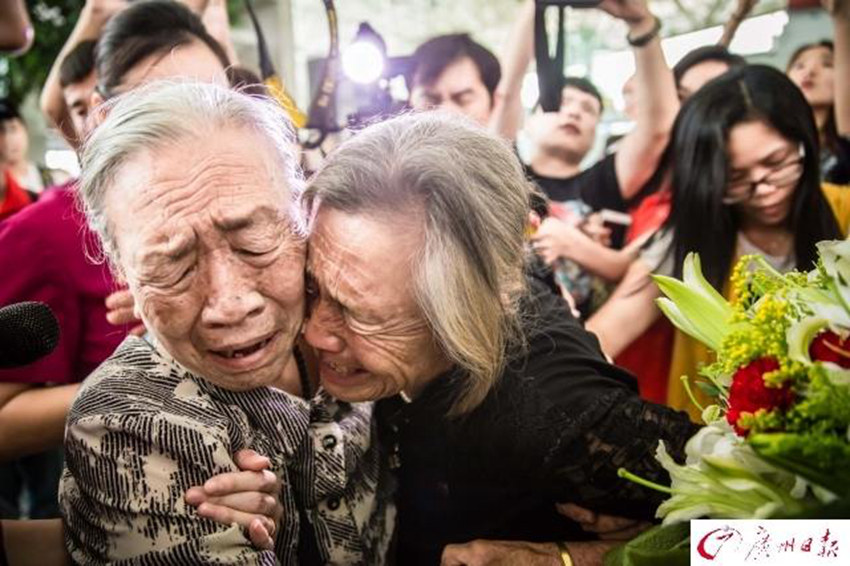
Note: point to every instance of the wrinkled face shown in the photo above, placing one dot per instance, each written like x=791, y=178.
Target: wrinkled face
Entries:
x=697, y=76
x=78, y=100
x=572, y=129
x=15, y=143
x=459, y=89
x=757, y=152
x=205, y=241
x=369, y=334
x=812, y=71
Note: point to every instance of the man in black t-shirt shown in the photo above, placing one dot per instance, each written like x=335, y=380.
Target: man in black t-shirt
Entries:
x=561, y=140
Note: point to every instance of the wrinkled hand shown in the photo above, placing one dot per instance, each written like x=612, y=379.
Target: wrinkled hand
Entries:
x=633, y=12
x=249, y=498
x=120, y=309
x=554, y=238
x=606, y=527
x=215, y=18
x=501, y=553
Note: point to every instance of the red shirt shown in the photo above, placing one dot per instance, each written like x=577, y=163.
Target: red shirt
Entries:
x=15, y=198
x=648, y=357
x=43, y=257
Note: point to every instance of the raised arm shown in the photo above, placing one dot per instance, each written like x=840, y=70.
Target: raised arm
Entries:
x=655, y=93
x=840, y=12
x=93, y=17
x=506, y=117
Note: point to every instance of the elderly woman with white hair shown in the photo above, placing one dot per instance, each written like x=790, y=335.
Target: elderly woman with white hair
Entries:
x=191, y=189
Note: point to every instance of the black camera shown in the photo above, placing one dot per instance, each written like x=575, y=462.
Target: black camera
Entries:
x=571, y=3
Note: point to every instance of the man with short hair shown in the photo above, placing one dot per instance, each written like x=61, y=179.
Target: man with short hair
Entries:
x=562, y=140
x=77, y=79
x=455, y=73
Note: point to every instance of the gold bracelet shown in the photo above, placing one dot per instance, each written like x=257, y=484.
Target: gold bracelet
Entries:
x=565, y=553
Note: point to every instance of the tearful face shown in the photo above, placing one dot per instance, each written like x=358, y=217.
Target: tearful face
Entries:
x=370, y=336
x=206, y=240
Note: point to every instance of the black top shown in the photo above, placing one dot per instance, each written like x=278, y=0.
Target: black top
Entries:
x=555, y=428
x=836, y=168
x=597, y=186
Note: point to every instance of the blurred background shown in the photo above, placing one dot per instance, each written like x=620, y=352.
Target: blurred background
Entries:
x=298, y=39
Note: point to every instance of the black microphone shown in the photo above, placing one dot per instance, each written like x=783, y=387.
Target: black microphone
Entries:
x=28, y=332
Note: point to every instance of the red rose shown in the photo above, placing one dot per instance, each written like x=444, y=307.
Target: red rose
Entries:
x=829, y=347
x=749, y=393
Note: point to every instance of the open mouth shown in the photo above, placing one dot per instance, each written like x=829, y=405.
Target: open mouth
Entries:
x=336, y=372
x=235, y=354
x=570, y=129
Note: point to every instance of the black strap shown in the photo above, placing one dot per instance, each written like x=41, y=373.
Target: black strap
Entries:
x=550, y=70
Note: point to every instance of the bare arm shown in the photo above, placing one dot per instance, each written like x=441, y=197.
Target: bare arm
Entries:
x=35, y=543
x=15, y=26
x=657, y=102
x=556, y=238
x=840, y=10
x=93, y=17
x=518, y=53
x=217, y=22
x=32, y=419
x=629, y=312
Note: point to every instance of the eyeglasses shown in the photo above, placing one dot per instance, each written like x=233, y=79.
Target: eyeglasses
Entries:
x=783, y=176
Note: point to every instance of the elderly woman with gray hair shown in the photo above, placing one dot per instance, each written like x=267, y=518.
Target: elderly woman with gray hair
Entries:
x=495, y=403
x=192, y=189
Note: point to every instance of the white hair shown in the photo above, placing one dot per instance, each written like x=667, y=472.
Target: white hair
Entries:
x=162, y=113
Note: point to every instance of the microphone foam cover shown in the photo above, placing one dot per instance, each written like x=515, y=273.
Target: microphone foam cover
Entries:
x=28, y=332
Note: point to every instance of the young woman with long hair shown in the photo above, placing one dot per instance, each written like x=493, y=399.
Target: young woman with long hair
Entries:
x=746, y=179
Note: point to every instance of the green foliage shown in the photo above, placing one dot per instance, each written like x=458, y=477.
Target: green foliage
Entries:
x=53, y=22
x=820, y=459
x=668, y=545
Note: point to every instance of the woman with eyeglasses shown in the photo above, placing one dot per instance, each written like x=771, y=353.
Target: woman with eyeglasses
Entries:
x=746, y=180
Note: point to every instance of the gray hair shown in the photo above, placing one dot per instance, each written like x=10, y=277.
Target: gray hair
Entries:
x=166, y=112
x=475, y=198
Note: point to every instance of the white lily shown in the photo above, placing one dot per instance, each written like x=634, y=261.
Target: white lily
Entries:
x=693, y=305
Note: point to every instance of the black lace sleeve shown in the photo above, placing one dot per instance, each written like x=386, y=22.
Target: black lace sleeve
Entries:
x=577, y=419
x=622, y=432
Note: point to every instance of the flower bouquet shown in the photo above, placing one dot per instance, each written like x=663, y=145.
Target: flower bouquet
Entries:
x=777, y=435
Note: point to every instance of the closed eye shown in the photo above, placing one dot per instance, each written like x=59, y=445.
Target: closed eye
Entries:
x=252, y=253
x=186, y=273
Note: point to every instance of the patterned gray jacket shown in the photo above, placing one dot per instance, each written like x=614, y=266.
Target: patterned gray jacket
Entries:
x=143, y=429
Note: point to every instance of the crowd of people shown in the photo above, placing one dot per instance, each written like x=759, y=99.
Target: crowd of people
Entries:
x=425, y=352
